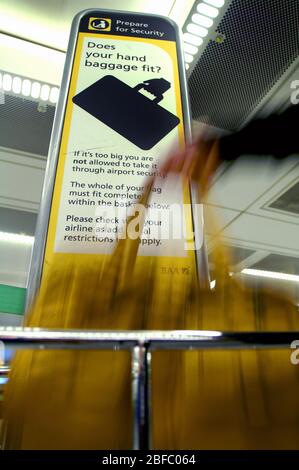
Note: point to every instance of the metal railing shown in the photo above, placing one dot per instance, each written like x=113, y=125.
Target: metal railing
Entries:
x=4, y=371
x=141, y=344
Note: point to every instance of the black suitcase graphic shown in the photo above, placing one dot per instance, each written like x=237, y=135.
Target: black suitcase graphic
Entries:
x=134, y=116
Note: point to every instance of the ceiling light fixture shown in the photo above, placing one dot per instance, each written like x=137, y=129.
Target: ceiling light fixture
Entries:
x=207, y=10
x=45, y=92
x=191, y=39
x=7, y=82
x=54, y=94
x=24, y=86
x=35, y=90
x=188, y=58
x=215, y=3
x=16, y=238
x=190, y=49
x=270, y=274
x=16, y=85
x=202, y=20
x=197, y=30
x=198, y=26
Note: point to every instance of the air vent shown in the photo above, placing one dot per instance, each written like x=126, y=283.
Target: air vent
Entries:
x=278, y=263
x=288, y=201
x=232, y=77
x=26, y=125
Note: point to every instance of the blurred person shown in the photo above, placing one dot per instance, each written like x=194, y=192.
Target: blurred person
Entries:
x=275, y=135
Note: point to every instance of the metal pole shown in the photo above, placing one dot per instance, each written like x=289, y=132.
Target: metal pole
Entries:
x=139, y=397
x=4, y=371
x=149, y=397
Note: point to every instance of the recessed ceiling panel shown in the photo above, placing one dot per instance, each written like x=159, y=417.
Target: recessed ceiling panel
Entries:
x=279, y=263
x=288, y=201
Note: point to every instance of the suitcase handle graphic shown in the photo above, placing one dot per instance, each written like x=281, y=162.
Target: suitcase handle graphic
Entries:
x=155, y=86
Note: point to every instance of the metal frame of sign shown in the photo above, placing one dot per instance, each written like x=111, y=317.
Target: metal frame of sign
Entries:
x=38, y=253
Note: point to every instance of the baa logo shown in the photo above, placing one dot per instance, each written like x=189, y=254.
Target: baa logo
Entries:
x=99, y=24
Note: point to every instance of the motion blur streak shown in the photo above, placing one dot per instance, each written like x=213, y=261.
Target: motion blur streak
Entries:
x=201, y=400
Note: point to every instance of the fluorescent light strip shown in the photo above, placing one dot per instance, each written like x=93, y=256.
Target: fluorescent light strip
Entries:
x=207, y=10
x=6, y=82
x=197, y=30
x=215, y=3
x=199, y=25
x=202, y=20
x=16, y=238
x=270, y=274
x=191, y=39
x=190, y=49
x=17, y=85
x=188, y=58
x=35, y=89
x=45, y=92
x=27, y=88
x=54, y=94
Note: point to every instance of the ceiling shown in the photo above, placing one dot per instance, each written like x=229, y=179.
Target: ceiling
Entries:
x=48, y=23
x=234, y=77
x=241, y=209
